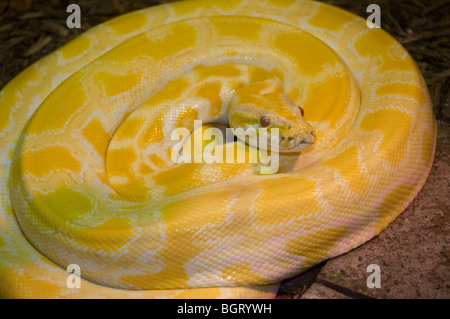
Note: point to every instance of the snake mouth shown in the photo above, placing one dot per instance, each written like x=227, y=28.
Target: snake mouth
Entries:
x=286, y=143
x=298, y=141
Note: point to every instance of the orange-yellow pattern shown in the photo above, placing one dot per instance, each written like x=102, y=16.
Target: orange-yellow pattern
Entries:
x=86, y=166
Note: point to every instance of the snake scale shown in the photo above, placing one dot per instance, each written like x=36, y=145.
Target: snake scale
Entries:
x=85, y=161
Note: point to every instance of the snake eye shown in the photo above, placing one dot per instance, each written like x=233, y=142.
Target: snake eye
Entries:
x=302, y=112
x=264, y=121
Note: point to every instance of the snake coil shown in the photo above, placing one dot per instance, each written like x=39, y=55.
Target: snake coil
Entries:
x=83, y=161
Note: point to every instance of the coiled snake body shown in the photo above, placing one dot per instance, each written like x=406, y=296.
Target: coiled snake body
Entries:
x=86, y=163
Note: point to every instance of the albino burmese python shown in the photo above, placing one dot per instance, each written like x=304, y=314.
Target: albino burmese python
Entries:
x=86, y=171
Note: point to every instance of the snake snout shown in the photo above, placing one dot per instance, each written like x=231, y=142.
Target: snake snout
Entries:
x=297, y=139
x=304, y=135
x=307, y=136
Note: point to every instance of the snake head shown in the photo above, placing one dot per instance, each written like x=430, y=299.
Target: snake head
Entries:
x=252, y=116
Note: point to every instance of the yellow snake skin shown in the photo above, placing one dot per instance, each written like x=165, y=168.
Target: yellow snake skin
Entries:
x=85, y=165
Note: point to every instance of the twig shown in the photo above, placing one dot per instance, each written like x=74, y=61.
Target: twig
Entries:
x=441, y=76
x=435, y=6
x=425, y=35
